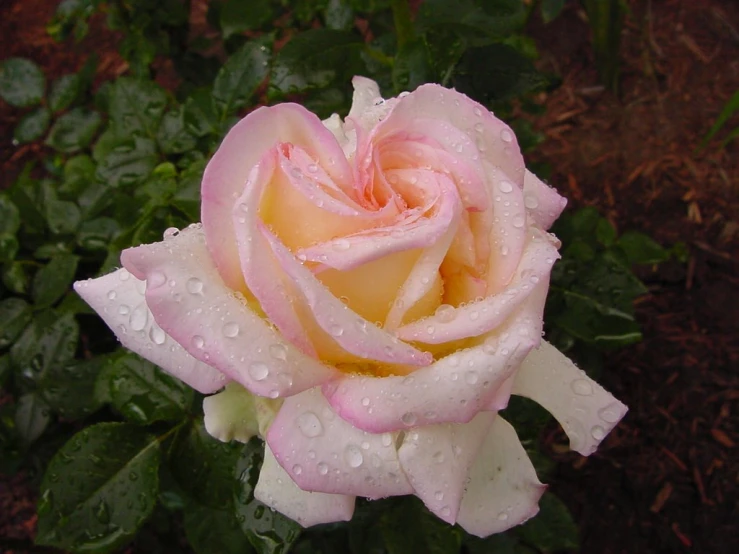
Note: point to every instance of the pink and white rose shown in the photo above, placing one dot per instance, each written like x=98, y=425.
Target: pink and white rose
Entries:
x=368, y=293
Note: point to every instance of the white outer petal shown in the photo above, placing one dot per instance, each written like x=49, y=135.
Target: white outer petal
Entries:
x=231, y=414
x=503, y=490
x=586, y=410
x=118, y=298
x=279, y=492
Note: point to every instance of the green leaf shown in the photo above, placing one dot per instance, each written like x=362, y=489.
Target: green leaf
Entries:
x=641, y=249
x=31, y=417
x=70, y=389
x=240, y=76
x=552, y=530
x=187, y=196
x=74, y=130
x=32, y=126
x=128, y=160
x=22, y=83
x=15, y=314
x=338, y=15
x=550, y=9
x=8, y=247
x=136, y=106
x=53, y=280
x=15, y=276
x=204, y=466
x=27, y=197
x=96, y=234
x=62, y=216
x=98, y=489
x=142, y=392
x=237, y=16
x=172, y=135
x=211, y=530
x=495, y=73
x=477, y=23
x=269, y=532
x=604, y=232
x=10, y=220
x=64, y=91
x=409, y=527
x=412, y=67
x=49, y=340
x=200, y=114
x=315, y=59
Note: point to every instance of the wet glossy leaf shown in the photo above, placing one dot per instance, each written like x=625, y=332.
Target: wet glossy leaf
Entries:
x=32, y=415
x=98, y=489
x=552, y=530
x=200, y=115
x=172, y=135
x=641, y=249
x=408, y=527
x=412, y=67
x=74, y=130
x=210, y=530
x=22, y=83
x=237, y=16
x=98, y=233
x=70, y=389
x=204, y=466
x=269, y=532
x=8, y=247
x=187, y=196
x=240, y=76
x=141, y=391
x=136, y=106
x=62, y=216
x=15, y=277
x=15, y=314
x=477, y=23
x=64, y=91
x=54, y=279
x=127, y=161
x=10, y=220
x=32, y=126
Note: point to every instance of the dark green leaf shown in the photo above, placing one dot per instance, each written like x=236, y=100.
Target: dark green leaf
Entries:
x=269, y=532
x=604, y=232
x=339, y=15
x=477, y=23
x=550, y=9
x=640, y=249
x=204, y=466
x=62, y=216
x=136, y=106
x=412, y=67
x=49, y=340
x=315, y=59
x=240, y=76
x=142, y=392
x=237, y=16
x=552, y=530
x=15, y=277
x=22, y=83
x=64, y=91
x=74, y=130
x=15, y=314
x=495, y=73
x=26, y=196
x=71, y=16
x=200, y=115
x=98, y=233
x=187, y=196
x=99, y=489
x=172, y=136
x=210, y=530
x=31, y=417
x=127, y=161
x=10, y=220
x=8, y=247
x=32, y=126
x=70, y=388
x=409, y=527
x=54, y=279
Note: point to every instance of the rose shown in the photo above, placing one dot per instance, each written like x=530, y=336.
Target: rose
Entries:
x=370, y=293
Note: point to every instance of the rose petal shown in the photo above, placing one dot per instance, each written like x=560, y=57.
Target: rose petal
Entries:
x=437, y=460
x=279, y=492
x=543, y=203
x=586, y=410
x=503, y=490
x=321, y=452
x=118, y=298
x=368, y=107
x=193, y=305
x=231, y=414
x=242, y=148
x=353, y=333
x=476, y=318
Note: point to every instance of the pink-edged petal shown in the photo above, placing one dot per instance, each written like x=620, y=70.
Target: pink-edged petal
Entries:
x=242, y=148
x=479, y=317
x=452, y=390
x=214, y=324
x=353, y=333
x=231, y=414
x=503, y=490
x=437, y=460
x=279, y=492
x=368, y=107
x=502, y=395
x=321, y=452
x=586, y=411
x=543, y=203
x=119, y=299
x=262, y=273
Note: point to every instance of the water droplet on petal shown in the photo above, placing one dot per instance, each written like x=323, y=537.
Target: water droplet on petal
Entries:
x=471, y=377
x=310, y=425
x=297, y=469
x=336, y=330
x=408, y=418
x=278, y=351
x=530, y=201
x=123, y=309
x=506, y=135
x=353, y=456
x=598, y=432
x=230, y=330
x=112, y=294
x=198, y=341
x=445, y=313
x=609, y=414
x=194, y=285
x=502, y=516
x=258, y=371
x=505, y=186
x=439, y=495
x=171, y=232
x=340, y=245
x=582, y=387
x=139, y=317
x=518, y=221
x=156, y=335
x=322, y=468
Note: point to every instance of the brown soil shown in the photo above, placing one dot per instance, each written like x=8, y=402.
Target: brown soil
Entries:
x=667, y=479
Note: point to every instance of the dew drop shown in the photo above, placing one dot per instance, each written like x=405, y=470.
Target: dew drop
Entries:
x=439, y=495
x=322, y=468
x=518, y=221
x=171, y=232
x=502, y=516
x=530, y=202
x=365, y=401
x=477, y=112
x=505, y=186
x=506, y=135
x=198, y=341
x=582, y=387
x=471, y=377
x=609, y=414
x=446, y=511
x=353, y=456
x=194, y=285
x=408, y=418
x=597, y=432
x=478, y=127
x=230, y=330
x=386, y=439
x=445, y=313
x=341, y=245
x=297, y=469
x=156, y=335
x=336, y=330
x=111, y=295
x=139, y=317
x=278, y=351
x=258, y=371
x=123, y=309
x=310, y=426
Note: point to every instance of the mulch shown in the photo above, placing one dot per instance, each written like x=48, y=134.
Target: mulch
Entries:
x=667, y=479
